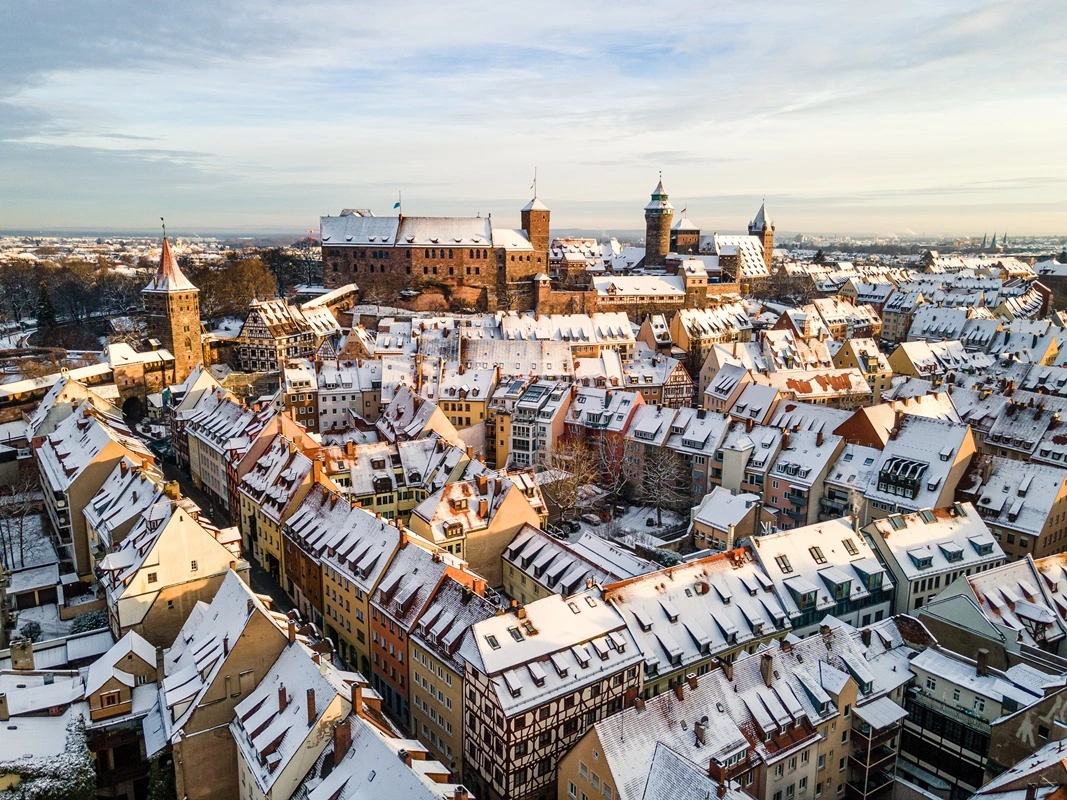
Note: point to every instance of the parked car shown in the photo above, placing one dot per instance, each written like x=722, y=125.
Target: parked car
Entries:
x=591, y=519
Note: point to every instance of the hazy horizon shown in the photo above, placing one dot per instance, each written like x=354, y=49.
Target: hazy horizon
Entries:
x=909, y=119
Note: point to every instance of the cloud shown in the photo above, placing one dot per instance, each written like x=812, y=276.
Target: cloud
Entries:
x=278, y=111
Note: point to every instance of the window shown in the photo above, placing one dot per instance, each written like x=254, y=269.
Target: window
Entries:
x=817, y=554
x=783, y=564
x=956, y=695
x=109, y=699
x=822, y=758
x=152, y=577
x=848, y=710
x=572, y=790
x=850, y=546
x=192, y=566
x=979, y=704
x=779, y=770
x=792, y=763
x=931, y=683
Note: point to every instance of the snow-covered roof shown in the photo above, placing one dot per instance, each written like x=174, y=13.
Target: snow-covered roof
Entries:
x=922, y=454
x=79, y=440
x=168, y=277
x=701, y=608
x=549, y=651
x=273, y=725
x=933, y=541
x=816, y=563
x=110, y=664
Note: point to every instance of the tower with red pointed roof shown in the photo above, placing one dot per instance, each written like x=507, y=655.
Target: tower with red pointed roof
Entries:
x=172, y=303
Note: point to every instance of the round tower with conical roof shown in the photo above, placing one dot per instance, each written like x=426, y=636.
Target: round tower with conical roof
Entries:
x=658, y=215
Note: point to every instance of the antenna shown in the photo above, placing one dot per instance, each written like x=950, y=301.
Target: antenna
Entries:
x=164, y=223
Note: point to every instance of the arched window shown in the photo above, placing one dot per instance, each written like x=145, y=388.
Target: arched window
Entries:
x=450, y=252
x=472, y=254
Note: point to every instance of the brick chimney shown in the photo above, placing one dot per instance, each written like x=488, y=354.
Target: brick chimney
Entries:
x=460, y=793
x=679, y=692
x=283, y=699
x=313, y=713
x=691, y=679
x=727, y=668
x=982, y=657
x=342, y=740
x=5, y=713
x=766, y=667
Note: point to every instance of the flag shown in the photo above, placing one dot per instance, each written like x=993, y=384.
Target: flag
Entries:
x=684, y=209
x=396, y=204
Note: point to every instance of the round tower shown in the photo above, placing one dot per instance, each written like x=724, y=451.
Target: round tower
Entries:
x=658, y=215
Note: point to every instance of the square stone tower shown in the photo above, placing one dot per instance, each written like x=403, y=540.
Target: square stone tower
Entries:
x=172, y=303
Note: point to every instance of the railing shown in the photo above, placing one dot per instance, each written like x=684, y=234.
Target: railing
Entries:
x=960, y=715
x=874, y=759
x=873, y=738
x=793, y=497
x=877, y=786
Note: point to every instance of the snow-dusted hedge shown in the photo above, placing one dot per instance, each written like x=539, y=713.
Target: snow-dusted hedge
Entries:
x=69, y=776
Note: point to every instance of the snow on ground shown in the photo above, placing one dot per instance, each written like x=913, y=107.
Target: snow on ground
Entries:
x=47, y=616
x=37, y=548
x=633, y=523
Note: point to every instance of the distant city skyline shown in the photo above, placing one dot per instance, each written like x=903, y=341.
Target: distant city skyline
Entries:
x=908, y=119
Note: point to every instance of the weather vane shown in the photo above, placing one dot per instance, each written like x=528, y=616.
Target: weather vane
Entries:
x=164, y=227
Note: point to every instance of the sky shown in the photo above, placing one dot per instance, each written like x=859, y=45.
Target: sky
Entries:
x=945, y=117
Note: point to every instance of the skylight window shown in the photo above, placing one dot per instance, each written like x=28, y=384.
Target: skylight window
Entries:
x=493, y=641
x=816, y=553
x=850, y=546
x=783, y=564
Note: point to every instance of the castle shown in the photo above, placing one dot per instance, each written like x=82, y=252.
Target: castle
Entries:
x=393, y=252
x=508, y=268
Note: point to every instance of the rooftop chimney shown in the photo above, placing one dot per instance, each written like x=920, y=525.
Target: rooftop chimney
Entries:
x=701, y=731
x=766, y=667
x=720, y=790
x=292, y=631
x=283, y=699
x=679, y=692
x=313, y=714
x=161, y=672
x=22, y=655
x=5, y=714
x=865, y=635
x=982, y=656
x=123, y=467
x=727, y=668
x=342, y=740
x=460, y=793
x=691, y=679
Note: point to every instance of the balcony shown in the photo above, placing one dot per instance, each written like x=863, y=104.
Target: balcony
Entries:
x=796, y=497
x=878, y=784
x=880, y=757
x=797, y=514
x=863, y=739
x=960, y=715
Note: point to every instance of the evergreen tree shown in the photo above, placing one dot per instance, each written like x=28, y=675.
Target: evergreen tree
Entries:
x=1063, y=256
x=820, y=257
x=46, y=315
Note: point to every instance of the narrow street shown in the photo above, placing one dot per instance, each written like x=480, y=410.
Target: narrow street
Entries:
x=259, y=579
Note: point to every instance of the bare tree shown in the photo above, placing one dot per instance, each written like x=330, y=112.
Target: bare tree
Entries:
x=14, y=511
x=611, y=464
x=566, y=470
x=665, y=483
